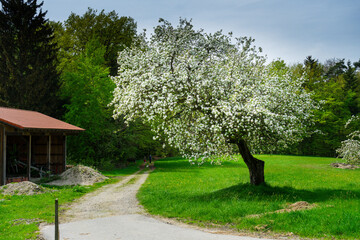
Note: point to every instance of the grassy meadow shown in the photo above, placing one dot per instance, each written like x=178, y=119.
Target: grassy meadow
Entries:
x=222, y=195
x=20, y=215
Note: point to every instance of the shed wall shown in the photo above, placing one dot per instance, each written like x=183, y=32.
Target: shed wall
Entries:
x=40, y=153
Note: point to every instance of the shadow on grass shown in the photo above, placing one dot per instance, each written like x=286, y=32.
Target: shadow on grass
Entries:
x=181, y=164
x=265, y=192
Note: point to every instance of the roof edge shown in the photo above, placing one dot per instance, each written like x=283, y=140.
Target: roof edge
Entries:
x=11, y=124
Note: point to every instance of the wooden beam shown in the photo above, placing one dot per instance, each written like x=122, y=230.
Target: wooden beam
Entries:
x=49, y=153
x=4, y=154
x=65, y=153
x=1, y=157
x=29, y=158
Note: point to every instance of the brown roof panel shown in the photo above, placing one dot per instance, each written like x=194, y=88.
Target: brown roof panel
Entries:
x=25, y=119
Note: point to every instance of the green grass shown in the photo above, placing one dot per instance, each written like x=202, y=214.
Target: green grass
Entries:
x=20, y=215
x=221, y=194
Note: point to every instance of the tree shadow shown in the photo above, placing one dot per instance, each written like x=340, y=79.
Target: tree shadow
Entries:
x=265, y=192
x=181, y=165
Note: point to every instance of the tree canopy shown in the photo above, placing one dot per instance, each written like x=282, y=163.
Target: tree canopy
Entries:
x=204, y=93
x=113, y=32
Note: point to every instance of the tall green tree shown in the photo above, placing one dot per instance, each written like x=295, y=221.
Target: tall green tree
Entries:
x=113, y=32
x=28, y=58
x=106, y=142
x=89, y=46
x=313, y=72
x=87, y=85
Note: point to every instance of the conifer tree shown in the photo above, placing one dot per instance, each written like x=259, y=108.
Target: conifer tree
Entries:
x=28, y=75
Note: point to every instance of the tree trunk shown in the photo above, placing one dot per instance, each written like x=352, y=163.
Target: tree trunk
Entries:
x=255, y=166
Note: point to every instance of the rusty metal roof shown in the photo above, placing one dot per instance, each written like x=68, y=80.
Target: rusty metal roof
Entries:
x=31, y=120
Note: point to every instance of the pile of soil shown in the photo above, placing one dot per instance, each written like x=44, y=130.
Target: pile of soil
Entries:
x=298, y=206
x=22, y=188
x=344, y=166
x=79, y=175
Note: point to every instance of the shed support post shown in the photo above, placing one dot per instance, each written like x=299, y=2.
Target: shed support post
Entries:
x=4, y=155
x=65, y=153
x=1, y=157
x=49, y=153
x=29, y=158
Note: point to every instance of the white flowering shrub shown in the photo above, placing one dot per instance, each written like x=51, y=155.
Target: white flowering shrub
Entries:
x=204, y=92
x=350, y=148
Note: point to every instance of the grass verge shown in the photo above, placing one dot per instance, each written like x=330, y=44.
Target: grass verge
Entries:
x=221, y=195
x=20, y=215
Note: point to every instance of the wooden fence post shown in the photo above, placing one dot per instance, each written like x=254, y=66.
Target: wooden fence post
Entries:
x=56, y=219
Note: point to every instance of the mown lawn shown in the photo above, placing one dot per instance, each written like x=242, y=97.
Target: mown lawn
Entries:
x=20, y=215
x=221, y=194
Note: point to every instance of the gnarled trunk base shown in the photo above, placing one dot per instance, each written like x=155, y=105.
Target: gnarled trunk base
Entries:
x=255, y=166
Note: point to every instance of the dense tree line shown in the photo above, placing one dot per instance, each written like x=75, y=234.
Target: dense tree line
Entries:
x=336, y=86
x=64, y=69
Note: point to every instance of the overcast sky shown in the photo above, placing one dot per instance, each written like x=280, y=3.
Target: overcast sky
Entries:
x=286, y=29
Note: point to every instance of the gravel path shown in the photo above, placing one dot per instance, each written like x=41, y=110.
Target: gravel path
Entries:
x=110, y=200
x=113, y=212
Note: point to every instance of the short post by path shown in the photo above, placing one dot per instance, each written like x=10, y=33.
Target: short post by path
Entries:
x=56, y=219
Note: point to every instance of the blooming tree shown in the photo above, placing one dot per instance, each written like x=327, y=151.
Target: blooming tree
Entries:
x=350, y=148
x=205, y=93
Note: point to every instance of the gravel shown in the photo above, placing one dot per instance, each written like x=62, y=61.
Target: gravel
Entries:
x=79, y=175
x=22, y=188
x=110, y=200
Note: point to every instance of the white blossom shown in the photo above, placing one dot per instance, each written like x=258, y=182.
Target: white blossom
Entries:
x=201, y=90
x=350, y=148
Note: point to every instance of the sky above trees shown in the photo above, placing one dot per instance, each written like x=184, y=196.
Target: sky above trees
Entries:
x=290, y=30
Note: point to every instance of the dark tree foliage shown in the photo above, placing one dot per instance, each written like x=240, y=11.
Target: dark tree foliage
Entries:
x=112, y=31
x=334, y=68
x=310, y=62
x=313, y=72
x=28, y=58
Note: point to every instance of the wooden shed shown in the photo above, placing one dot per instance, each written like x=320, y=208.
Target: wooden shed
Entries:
x=31, y=144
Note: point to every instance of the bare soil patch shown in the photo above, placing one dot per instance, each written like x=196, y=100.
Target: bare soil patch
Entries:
x=344, y=166
x=22, y=188
x=298, y=206
x=79, y=175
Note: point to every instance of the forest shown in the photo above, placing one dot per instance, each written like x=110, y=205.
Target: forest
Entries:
x=67, y=70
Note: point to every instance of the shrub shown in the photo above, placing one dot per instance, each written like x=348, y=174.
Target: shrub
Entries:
x=350, y=148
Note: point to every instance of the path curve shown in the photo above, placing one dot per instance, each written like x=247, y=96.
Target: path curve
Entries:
x=113, y=212
x=110, y=200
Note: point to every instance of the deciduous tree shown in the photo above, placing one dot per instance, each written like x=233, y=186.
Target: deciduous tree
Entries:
x=87, y=85
x=205, y=92
x=113, y=32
